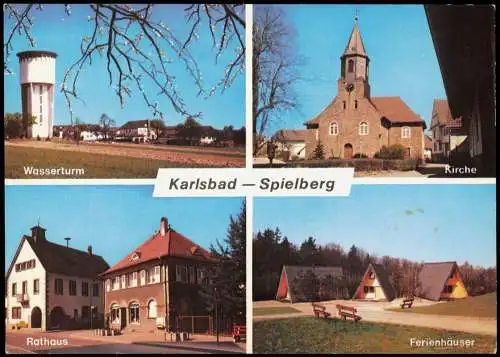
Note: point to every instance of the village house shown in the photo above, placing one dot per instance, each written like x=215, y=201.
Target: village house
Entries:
x=156, y=282
x=428, y=146
x=292, y=143
x=467, y=63
x=51, y=286
x=375, y=285
x=137, y=131
x=446, y=131
x=355, y=123
x=292, y=290
x=441, y=281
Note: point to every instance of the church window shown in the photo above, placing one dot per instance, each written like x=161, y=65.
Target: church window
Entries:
x=363, y=128
x=333, y=128
x=350, y=66
x=355, y=104
x=405, y=132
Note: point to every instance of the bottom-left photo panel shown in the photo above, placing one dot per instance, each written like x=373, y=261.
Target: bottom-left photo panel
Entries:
x=112, y=269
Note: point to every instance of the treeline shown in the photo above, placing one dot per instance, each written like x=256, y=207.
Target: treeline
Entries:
x=272, y=250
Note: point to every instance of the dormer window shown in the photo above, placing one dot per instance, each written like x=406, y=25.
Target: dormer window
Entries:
x=136, y=255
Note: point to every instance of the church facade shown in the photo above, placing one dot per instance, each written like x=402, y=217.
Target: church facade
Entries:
x=355, y=123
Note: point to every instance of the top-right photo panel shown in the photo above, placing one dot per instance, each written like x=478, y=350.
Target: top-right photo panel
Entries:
x=391, y=90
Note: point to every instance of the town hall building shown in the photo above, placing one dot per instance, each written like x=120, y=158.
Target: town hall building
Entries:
x=52, y=286
x=357, y=124
x=157, y=282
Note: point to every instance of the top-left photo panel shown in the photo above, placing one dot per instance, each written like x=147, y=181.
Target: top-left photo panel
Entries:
x=120, y=91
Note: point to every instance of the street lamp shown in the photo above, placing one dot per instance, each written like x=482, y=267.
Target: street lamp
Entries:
x=216, y=302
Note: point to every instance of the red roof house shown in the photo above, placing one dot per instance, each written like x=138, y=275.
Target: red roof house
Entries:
x=156, y=282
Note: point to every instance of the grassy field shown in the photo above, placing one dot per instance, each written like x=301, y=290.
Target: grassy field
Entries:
x=478, y=306
x=313, y=335
x=277, y=310
x=95, y=165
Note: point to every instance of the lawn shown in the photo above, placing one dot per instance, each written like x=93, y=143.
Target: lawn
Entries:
x=277, y=310
x=313, y=335
x=95, y=165
x=477, y=306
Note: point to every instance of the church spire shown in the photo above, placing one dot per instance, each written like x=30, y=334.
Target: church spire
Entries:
x=355, y=44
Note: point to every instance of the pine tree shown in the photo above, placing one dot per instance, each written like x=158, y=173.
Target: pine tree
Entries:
x=319, y=151
x=228, y=276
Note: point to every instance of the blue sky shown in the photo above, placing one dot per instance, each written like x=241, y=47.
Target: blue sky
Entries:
x=55, y=31
x=113, y=219
x=417, y=222
x=403, y=61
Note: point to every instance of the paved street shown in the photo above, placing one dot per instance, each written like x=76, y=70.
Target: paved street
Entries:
x=62, y=343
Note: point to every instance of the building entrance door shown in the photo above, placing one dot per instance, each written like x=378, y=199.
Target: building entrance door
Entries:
x=348, y=151
x=123, y=317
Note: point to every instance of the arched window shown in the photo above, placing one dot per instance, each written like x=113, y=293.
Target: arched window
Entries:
x=350, y=66
x=405, y=132
x=133, y=312
x=152, y=309
x=355, y=104
x=363, y=128
x=333, y=128
x=115, y=313
x=344, y=104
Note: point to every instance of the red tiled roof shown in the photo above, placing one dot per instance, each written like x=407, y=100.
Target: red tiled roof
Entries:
x=428, y=142
x=392, y=108
x=455, y=123
x=396, y=110
x=291, y=135
x=441, y=111
x=172, y=244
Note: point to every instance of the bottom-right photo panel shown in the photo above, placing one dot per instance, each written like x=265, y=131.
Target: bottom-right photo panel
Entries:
x=389, y=269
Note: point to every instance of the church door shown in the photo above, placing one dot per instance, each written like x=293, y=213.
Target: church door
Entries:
x=407, y=154
x=347, y=151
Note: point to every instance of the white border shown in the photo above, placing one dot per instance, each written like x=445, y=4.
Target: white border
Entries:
x=249, y=168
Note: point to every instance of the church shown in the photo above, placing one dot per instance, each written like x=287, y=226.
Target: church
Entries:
x=355, y=123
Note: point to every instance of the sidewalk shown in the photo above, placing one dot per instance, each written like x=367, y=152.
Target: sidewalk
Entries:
x=207, y=347
x=203, y=343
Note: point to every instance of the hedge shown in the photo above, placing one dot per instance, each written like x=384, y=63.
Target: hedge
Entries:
x=358, y=164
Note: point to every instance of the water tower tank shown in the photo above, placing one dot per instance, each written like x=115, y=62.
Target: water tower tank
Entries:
x=38, y=77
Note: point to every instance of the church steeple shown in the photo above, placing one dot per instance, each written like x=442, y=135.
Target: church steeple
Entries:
x=354, y=63
x=355, y=45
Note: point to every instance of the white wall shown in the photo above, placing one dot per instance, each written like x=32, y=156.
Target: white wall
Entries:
x=67, y=302
x=44, y=118
x=38, y=70
x=29, y=275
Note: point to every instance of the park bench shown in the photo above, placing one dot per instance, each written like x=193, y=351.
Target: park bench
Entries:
x=346, y=312
x=239, y=332
x=320, y=311
x=407, y=302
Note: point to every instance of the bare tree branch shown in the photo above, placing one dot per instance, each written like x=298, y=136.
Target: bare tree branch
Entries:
x=274, y=70
x=123, y=35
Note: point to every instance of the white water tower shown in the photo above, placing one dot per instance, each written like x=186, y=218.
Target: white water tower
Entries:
x=38, y=77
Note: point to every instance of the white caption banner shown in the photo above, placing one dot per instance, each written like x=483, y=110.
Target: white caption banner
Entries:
x=256, y=182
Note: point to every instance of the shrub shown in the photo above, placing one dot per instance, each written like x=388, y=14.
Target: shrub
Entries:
x=321, y=163
x=401, y=165
x=391, y=152
x=368, y=164
x=319, y=151
x=360, y=156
